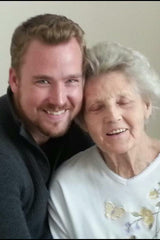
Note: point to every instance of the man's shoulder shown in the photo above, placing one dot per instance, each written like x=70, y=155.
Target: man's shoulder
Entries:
x=6, y=118
x=2, y=97
x=3, y=101
x=74, y=141
x=9, y=131
x=78, y=137
x=5, y=109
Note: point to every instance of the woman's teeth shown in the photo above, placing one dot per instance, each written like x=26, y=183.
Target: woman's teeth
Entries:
x=117, y=131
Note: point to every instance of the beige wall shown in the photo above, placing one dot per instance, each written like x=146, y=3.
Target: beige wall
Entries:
x=132, y=23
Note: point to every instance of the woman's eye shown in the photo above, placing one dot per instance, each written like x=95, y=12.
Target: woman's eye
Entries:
x=95, y=108
x=124, y=103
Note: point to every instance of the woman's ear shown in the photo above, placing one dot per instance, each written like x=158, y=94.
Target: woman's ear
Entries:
x=148, y=110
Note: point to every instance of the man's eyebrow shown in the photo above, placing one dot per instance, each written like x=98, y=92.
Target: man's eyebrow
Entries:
x=43, y=76
x=47, y=77
x=78, y=75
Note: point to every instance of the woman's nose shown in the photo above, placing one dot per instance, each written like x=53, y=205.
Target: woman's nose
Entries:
x=113, y=114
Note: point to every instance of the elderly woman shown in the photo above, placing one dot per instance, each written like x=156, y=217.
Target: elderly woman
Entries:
x=112, y=190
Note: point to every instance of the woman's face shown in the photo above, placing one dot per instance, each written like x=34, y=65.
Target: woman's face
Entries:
x=114, y=113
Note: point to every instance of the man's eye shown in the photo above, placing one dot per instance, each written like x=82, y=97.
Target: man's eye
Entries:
x=73, y=80
x=43, y=81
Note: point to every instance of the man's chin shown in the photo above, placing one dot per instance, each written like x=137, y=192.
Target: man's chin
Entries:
x=59, y=132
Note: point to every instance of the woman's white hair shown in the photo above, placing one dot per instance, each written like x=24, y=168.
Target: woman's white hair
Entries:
x=108, y=57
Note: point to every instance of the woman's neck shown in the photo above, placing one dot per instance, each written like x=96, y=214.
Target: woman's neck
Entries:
x=132, y=163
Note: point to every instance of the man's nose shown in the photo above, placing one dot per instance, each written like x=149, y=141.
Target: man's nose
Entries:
x=58, y=94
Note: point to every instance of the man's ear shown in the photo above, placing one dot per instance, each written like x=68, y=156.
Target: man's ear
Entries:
x=13, y=80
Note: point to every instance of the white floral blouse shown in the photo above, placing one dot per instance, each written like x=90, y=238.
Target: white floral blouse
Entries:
x=88, y=200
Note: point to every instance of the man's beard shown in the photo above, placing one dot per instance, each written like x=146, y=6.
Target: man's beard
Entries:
x=37, y=127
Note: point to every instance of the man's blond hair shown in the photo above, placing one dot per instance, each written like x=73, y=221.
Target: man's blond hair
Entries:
x=50, y=29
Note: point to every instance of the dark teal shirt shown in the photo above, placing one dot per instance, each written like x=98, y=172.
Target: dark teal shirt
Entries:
x=25, y=170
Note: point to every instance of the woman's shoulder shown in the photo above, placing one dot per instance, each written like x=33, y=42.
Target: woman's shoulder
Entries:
x=76, y=165
x=78, y=159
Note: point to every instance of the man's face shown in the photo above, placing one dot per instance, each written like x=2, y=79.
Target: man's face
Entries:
x=48, y=93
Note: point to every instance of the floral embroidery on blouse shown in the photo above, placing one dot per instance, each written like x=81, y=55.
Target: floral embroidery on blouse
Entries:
x=144, y=217
x=113, y=212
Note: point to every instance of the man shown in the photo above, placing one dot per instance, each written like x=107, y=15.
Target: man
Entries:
x=43, y=97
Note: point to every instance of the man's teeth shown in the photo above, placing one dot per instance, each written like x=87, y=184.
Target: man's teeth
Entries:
x=117, y=131
x=56, y=113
